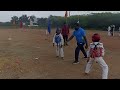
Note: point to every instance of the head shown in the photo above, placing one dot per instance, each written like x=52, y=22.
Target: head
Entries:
x=58, y=31
x=96, y=37
x=77, y=25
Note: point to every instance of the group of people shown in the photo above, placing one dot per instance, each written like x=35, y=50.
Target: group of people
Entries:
x=111, y=30
x=94, y=53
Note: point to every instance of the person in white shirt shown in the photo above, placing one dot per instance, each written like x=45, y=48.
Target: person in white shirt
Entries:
x=112, y=30
x=119, y=31
x=58, y=41
x=95, y=53
x=109, y=28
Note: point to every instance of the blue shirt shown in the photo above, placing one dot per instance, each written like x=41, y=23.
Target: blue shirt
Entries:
x=79, y=35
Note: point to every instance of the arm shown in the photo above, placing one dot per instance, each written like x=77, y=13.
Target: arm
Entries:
x=103, y=50
x=62, y=40
x=85, y=42
x=70, y=38
x=88, y=54
x=84, y=37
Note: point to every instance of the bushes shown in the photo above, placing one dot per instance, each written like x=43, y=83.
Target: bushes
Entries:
x=95, y=20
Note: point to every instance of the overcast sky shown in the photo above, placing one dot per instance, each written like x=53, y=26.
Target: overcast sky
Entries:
x=6, y=15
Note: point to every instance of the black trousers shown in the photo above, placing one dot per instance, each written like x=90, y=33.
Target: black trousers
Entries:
x=65, y=37
x=111, y=33
x=80, y=46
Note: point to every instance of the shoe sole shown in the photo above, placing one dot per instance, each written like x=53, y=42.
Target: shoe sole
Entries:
x=76, y=63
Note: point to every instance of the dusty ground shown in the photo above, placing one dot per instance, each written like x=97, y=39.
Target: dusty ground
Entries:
x=17, y=57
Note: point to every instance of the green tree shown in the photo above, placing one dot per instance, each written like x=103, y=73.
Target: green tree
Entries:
x=14, y=20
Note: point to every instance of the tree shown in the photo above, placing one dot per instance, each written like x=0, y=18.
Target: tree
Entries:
x=93, y=20
x=24, y=19
x=14, y=20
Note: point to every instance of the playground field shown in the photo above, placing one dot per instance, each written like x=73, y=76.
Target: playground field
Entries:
x=26, y=54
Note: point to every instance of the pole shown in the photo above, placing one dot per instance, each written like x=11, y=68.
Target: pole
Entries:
x=78, y=17
x=66, y=20
x=66, y=14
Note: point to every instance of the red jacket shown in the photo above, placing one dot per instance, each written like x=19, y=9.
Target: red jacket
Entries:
x=21, y=24
x=65, y=30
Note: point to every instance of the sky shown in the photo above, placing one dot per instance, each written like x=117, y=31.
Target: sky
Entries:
x=5, y=16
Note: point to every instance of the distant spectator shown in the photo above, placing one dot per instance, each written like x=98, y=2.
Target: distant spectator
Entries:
x=65, y=33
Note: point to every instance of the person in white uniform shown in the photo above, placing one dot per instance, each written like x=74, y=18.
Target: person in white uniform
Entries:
x=119, y=31
x=58, y=41
x=109, y=28
x=95, y=53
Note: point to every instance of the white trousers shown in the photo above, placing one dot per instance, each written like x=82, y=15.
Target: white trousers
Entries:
x=119, y=34
x=59, y=51
x=102, y=64
x=109, y=34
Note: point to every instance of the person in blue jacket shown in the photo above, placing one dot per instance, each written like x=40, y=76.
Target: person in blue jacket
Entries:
x=81, y=39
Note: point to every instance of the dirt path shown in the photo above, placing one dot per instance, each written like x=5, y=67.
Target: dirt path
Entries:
x=29, y=56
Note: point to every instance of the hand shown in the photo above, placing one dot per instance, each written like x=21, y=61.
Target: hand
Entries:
x=61, y=46
x=66, y=42
x=86, y=46
x=53, y=44
x=88, y=59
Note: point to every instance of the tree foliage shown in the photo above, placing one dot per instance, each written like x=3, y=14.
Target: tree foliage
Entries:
x=93, y=20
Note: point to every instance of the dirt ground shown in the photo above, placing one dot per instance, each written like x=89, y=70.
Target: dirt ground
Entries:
x=25, y=54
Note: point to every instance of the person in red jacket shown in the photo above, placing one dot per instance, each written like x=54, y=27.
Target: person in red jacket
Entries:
x=65, y=33
x=21, y=24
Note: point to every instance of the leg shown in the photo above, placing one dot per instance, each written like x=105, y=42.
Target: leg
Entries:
x=89, y=66
x=61, y=52
x=66, y=39
x=83, y=50
x=113, y=32
x=57, y=51
x=77, y=50
x=110, y=33
x=104, y=67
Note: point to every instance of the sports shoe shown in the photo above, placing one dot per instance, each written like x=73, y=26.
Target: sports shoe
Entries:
x=57, y=56
x=76, y=62
x=85, y=57
x=66, y=44
x=62, y=58
x=86, y=73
